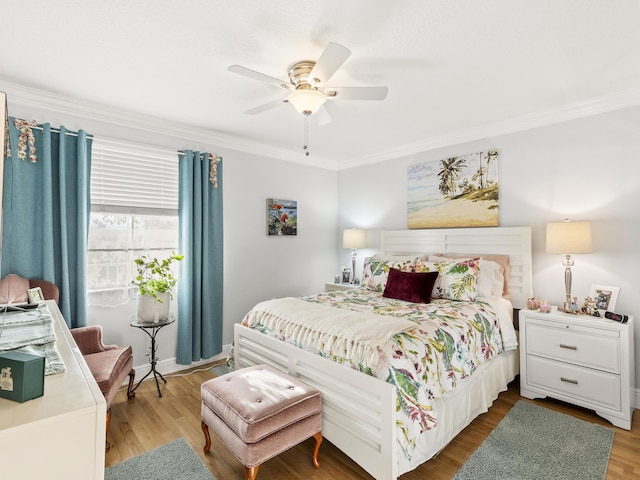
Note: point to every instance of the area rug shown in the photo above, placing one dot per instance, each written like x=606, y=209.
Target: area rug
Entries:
x=219, y=370
x=173, y=461
x=533, y=443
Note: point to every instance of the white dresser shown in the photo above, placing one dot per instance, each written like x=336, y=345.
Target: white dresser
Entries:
x=60, y=435
x=583, y=360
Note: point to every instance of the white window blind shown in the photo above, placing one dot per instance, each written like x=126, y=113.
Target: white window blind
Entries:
x=133, y=178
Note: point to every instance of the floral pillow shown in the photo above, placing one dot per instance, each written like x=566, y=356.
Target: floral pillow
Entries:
x=376, y=270
x=490, y=278
x=457, y=279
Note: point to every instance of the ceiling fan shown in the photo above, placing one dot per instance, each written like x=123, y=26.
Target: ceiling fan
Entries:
x=307, y=83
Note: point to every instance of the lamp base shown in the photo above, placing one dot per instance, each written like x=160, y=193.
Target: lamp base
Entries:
x=354, y=279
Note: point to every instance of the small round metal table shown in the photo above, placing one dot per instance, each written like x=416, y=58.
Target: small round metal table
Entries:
x=151, y=329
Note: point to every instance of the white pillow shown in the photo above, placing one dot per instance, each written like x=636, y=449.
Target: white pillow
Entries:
x=490, y=279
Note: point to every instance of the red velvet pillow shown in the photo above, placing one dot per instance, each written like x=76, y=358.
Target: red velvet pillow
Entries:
x=410, y=286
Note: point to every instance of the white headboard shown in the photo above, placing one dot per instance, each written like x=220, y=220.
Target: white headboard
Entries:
x=512, y=241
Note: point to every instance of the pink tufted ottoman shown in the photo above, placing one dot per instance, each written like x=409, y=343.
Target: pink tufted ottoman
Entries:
x=259, y=412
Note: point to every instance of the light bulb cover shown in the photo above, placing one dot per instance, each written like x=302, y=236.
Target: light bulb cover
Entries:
x=306, y=102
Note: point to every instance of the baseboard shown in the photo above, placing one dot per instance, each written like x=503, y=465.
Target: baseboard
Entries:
x=169, y=366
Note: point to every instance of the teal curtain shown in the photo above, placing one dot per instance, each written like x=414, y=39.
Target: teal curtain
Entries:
x=201, y=274
x=46, y=209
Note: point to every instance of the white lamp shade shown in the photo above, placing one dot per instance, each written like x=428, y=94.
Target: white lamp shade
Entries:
x=353, y=238
x=569, y=237
x=307, y=102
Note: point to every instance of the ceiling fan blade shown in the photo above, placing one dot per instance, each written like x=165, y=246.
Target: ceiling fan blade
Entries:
x=358, y=93
x=322, y=116
x=247, y=72
x=267, y=106
x=330, y=61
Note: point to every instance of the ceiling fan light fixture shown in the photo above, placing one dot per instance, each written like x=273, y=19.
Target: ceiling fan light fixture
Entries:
x=307, y=102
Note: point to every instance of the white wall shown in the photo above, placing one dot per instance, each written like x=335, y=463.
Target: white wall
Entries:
x=259, y=267
x=586, y=169
x=256, y=267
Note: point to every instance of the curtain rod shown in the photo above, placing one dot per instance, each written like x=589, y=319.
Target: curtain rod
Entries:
x=57, y=130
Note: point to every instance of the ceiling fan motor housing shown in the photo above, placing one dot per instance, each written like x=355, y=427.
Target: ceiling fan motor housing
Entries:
x=299, y=75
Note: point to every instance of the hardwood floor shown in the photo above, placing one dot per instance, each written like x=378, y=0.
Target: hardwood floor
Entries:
x=148, y=421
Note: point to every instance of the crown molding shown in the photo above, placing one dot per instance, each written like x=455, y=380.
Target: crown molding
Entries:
x=33, y=98
x=585, y=108
x=24, y=96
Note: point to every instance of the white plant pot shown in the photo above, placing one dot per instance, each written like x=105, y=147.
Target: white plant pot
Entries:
x=152, y=310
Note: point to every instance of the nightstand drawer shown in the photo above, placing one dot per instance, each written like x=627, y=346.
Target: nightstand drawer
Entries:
x=584, y=384
x=596, y=349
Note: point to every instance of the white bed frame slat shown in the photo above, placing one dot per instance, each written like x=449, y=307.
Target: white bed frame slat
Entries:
x=359, y=410
x=355, y=407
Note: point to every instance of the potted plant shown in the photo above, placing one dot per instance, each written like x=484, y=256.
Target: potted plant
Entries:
x=155, y=282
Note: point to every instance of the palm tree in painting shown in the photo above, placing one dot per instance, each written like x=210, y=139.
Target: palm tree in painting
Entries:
x=491, y=155
x=449, y=174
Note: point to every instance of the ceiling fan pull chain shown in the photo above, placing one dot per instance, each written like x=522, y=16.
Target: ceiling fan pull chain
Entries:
x=306, y=135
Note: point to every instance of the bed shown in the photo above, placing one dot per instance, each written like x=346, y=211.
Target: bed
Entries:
x=360, y=414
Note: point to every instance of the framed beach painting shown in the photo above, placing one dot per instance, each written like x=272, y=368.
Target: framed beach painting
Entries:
x=282, y=217
x=460, y=191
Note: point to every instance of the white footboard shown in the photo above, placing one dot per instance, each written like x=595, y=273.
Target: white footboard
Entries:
x=358, y=410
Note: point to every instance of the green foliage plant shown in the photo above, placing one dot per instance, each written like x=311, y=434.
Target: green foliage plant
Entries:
x=154, y=276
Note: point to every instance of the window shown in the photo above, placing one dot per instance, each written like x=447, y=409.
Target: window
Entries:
x=134, y=211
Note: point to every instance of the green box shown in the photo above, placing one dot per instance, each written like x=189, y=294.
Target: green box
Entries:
x=21, y=376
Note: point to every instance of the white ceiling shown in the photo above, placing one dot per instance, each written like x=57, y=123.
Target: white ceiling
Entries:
x=451, y=65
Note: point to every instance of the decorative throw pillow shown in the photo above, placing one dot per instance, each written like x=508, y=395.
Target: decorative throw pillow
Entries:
x=490, y=277
x=410, y=286
x=376, y=270
x=458, y=279
x=13, y=289
x=501, y=260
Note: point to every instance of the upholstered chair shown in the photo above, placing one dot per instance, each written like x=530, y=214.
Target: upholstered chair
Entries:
x=49, y=290
x=109, y=365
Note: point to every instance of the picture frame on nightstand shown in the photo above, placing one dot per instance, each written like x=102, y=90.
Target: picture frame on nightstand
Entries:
x=346, y=275
x=604, y=296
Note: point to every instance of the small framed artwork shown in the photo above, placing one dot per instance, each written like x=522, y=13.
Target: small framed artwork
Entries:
x=604, y=297
x=35, y=295
x=346, y=275
x=282, y=217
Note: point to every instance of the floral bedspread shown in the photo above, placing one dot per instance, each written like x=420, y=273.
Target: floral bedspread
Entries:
x=449, y=341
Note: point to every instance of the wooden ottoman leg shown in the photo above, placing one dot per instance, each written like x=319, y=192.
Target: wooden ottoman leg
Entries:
x=130, y=393
x=207, y=437
x=250, y=473
x=318, y=437
x=107, y=445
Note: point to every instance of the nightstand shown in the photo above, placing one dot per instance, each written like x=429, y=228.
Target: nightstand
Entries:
x=334, y=287
x=583, y=360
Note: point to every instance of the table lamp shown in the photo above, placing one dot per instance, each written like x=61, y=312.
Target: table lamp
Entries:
x=568, y=238
x=353, y=238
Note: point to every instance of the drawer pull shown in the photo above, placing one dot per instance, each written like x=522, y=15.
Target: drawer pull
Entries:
x=570, y=347
x=568, y=380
